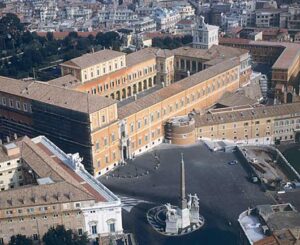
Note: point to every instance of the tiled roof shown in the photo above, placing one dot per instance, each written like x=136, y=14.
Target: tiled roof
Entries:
x=54, y=95
x=67, y=81
x=175, y=88
x=67, y=185
x=91, y=59
x=58, y=192
x=216, y=51
x=234, y=99
x=147, y=54
x=245, y=113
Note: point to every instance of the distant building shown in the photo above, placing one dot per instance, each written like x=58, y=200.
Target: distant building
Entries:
x=145, y=24
x=42, y=187
x=166, y=19
x=204, y=35
x=184, y=27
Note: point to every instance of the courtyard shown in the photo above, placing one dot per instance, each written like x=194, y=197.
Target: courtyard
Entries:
x=224, y=191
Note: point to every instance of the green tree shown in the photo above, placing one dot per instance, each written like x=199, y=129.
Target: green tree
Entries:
x=61, y=236
x=20, y=240
x=49, y=36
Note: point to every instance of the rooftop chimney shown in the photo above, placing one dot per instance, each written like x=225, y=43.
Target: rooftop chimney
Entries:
x=11, y=149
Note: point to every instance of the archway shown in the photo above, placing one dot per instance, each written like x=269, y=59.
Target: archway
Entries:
x=145, y=84
x=134, y=88
x=150, y=82
x=289, y=98
x=118, y=95
x=129, y=91
x=123, y=93
x=140, y=86
x=297, y=137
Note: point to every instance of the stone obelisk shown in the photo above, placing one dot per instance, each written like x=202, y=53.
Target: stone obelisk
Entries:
x=183, y=201
x=183, y=211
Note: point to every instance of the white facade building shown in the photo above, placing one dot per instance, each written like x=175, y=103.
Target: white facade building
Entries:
x=166, y=18
x=204, y=35
x=102, y=217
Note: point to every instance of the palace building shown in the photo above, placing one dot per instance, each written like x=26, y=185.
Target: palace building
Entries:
x=42, y=187
x=120, y=111
x=250, y=124
x=284, y=59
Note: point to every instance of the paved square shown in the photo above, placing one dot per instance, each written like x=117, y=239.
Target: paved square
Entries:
x=224, y=191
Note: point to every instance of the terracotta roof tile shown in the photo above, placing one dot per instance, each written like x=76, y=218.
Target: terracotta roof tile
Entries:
x=54, y=95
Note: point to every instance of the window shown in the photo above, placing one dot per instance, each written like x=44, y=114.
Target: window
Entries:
x=97, y=145
x=18, y=105
x=152, y=117
x=11, y=103
x=103, y=119
x=131, y=127
x=35, y=237
x=113, y=137
x=3, y=101
x=25, y=108
x=77, y=205
x=112, y=227
x=94, y=229
x=139, y=124
x=105, y=141
x=80, y=232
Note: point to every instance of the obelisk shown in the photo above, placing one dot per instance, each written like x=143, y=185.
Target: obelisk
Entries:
x=183, y=201
x=183, y=211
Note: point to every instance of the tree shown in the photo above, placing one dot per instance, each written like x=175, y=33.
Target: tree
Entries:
x=11, y=29
x=20, y=240
x=49, y=36
x=61, y=236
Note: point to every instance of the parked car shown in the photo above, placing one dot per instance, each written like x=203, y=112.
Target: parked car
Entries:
x=233, y=162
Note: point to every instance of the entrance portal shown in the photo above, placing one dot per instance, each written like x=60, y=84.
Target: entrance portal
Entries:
x=125, y=155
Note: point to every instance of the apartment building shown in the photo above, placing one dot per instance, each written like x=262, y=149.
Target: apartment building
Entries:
x=145, y=24
x=106, y=132
x=251, y=124
x=267, y=18
x=166, y=19
x=56, y=190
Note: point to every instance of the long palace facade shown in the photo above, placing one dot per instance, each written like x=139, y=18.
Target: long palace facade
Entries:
x=109, y=106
